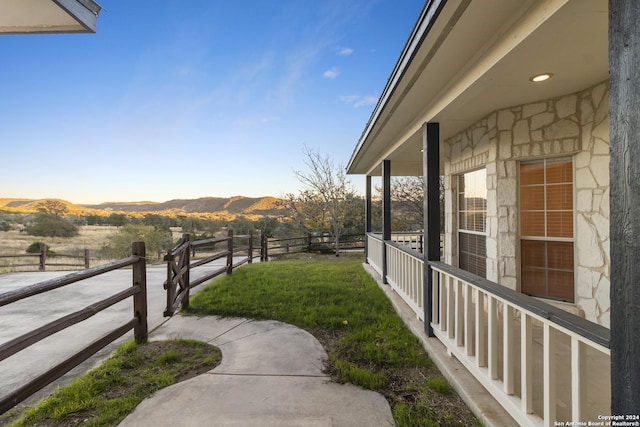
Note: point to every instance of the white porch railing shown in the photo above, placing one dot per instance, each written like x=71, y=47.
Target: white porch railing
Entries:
x=405, y=275
x=375, y=249
x=540, y=363
x=413, y=240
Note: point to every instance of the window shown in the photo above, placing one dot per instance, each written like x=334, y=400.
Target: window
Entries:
x=546, y=228
x=472, y=214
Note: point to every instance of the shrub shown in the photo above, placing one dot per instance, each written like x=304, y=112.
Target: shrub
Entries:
x=34, y=248
x=155, y=239
x=5, y=222
x=48, y=225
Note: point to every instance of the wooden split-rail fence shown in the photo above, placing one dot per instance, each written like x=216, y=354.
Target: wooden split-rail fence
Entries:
x=45, y=258
x=181, y=260
x=179, y=265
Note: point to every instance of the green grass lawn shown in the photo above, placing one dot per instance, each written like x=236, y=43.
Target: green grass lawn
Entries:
x=338, y=302
x=107, y=394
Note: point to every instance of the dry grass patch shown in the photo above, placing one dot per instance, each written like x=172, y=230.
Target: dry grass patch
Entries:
x=92, y=237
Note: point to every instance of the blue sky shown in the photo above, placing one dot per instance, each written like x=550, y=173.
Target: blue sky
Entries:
x=187, y=99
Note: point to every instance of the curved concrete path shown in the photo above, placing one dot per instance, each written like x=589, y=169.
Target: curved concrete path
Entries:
x=270, y=375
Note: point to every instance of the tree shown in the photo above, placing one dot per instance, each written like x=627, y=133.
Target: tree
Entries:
x=241, y=225
x=50, y=225
x=117, y=219
x=327, y=200
x=267, y=225
x=119, y=244
x=52, y=207
x=407, y=197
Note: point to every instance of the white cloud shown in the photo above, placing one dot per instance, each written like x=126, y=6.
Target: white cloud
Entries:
x=349, y=99
x=358, y=101
x=330, y=74
x=366, y=100
x=345, y=51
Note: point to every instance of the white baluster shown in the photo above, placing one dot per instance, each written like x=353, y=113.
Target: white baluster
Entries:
x=578, y=378
x=549, y=374
x=507, y=349
x=526, y=363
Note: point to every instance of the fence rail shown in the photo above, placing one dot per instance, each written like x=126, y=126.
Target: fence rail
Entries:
x=312, y=243
x=539, y=362
x=44, y=259
x=138, y=323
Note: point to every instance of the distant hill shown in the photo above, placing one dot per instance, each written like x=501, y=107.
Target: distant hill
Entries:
x=237, y=205
x=217, y=206
x=31, y=205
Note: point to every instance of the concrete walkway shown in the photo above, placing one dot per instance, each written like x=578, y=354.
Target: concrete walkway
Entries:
x=270, y=375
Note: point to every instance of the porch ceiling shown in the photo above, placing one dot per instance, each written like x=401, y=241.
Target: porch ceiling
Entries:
x=478, y=57
x=48, y=16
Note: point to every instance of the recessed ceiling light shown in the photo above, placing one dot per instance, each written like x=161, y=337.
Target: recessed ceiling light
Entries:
x=541, y=77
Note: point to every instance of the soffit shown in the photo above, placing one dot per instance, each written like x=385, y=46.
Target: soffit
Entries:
x=48, y=16
x=483, y=63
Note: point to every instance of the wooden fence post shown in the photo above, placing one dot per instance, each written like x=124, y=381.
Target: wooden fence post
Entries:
x=140, y=330
x=309, y=242
x=86, y=258
x=250, y=250
x=43, y=256
x=230, y=252
x=266, y=248
x=186, y=277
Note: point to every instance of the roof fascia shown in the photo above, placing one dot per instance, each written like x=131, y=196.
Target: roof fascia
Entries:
x=83, y=11
x=427, y=18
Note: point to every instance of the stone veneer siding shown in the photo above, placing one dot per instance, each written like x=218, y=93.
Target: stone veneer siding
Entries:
x=575, y=125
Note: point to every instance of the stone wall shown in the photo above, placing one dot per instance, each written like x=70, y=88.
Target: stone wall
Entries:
x=575, y=125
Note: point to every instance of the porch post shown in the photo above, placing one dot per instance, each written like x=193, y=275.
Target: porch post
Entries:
x=367, y=218
x=624, y=116
x=386, y=213
x=431, y=171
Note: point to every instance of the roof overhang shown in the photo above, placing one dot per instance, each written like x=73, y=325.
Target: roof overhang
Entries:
x=465, y=59
x=48, y=16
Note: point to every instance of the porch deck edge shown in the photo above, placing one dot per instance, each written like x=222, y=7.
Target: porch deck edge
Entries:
x=474, y=395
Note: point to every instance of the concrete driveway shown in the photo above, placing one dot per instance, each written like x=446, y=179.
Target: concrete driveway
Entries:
x=26, y=315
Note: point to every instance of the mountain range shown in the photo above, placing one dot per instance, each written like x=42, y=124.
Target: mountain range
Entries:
x=217, y=206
